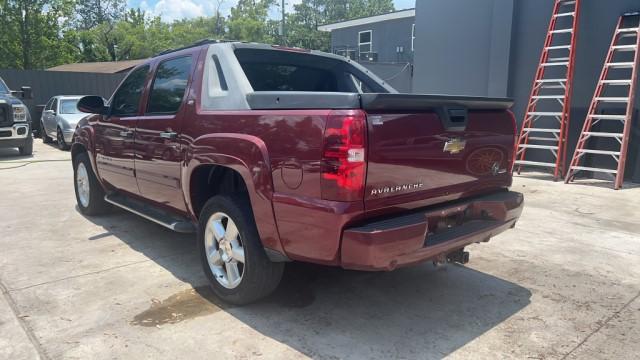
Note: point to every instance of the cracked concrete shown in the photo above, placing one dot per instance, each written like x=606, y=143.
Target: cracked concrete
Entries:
x=564, y=284
x=17, y=341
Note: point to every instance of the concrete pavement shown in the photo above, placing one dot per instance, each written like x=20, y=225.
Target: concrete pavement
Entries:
x=564, y=284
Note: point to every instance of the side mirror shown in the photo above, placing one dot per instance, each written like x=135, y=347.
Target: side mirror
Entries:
x=92, y=105
x=27, y=93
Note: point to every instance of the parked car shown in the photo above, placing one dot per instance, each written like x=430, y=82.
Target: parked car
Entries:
x=59, y=120
x=15, y=119
x=273, y=154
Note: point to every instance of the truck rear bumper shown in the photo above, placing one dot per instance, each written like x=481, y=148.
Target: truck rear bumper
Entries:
x=389, y=243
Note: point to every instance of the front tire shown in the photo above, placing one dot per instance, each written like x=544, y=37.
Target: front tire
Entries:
x=231, y=251
x=89, y=192
x=27, y=148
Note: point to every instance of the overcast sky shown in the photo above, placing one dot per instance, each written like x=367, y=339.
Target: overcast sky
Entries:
x=178, y=9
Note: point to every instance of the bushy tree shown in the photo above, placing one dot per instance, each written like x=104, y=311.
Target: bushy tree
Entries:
x=92, y=13
x=249, y=21
x=303, y=24
x=45, y=33
x=32, y=31
x=309, y=14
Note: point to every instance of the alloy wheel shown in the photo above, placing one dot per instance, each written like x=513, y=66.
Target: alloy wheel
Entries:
x=82, y=184
x=60, y=139
x=224, y=250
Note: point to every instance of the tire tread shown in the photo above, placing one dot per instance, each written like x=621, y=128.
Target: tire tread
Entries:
x=263, y=275
x=46, y=139
x=27, y=148
x=97, y=205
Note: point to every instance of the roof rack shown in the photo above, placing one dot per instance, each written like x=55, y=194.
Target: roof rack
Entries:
x=197, y=43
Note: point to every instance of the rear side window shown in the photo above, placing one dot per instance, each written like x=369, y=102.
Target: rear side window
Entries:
x=221, y=81
x=169, y=86
x=126, y=100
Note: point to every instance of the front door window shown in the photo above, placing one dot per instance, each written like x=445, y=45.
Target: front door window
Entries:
x=126, y=100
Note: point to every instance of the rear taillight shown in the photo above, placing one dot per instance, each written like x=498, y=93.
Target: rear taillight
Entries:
x=344, y=166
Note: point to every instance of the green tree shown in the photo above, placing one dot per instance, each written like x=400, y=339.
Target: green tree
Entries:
x=219, y=28
x=188, y=31
x=139, y=36
x=303, y=26
x=340, y=10
x=249, y=21
x=96, y=21
x=307, y=15
x=92, y=13
x=44, y=33
x=31, y=33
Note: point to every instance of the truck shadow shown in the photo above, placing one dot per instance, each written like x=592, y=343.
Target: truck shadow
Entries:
x=417, y=312
x=13, y=154
x=324, y=312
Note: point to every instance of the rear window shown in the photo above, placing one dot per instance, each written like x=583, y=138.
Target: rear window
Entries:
x=278, y=70
x=285, y=77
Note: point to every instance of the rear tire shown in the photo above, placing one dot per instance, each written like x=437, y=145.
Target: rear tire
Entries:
x=256, y=276
x=62, y=145
x=89, y=192
x=43, y=132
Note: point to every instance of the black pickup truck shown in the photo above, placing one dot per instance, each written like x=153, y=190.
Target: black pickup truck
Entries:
x=15, y=120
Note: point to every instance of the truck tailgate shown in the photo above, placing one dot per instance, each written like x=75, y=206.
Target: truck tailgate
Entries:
x=425, y=149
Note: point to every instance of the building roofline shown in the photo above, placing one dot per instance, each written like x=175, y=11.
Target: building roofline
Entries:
x=400, y=14
x=105, y=67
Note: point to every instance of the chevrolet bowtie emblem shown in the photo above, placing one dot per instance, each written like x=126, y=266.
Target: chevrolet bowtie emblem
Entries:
x=454, y=146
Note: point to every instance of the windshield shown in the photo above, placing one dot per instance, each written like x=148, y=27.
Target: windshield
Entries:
x=69, y=107
x=3, y=88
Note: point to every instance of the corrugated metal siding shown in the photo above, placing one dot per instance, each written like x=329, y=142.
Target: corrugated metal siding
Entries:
x=46, y=84
x=387, y=37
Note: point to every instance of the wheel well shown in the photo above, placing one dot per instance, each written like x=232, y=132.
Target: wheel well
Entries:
x=77, y=149
x=208, y=181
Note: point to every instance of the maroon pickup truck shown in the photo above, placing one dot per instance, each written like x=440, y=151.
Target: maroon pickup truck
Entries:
x=275, y=154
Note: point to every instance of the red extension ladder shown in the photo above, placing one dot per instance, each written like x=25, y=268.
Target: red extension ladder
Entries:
x=616, y=86
x=546, y=121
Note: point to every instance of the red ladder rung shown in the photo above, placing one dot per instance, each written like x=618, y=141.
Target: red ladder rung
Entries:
x=541, y=89
x=593, y=117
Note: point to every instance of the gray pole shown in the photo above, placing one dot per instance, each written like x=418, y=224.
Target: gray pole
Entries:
x=284, y=42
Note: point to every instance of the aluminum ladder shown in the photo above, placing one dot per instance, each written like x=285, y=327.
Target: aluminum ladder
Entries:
x=617, y=86
x=546, y=120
